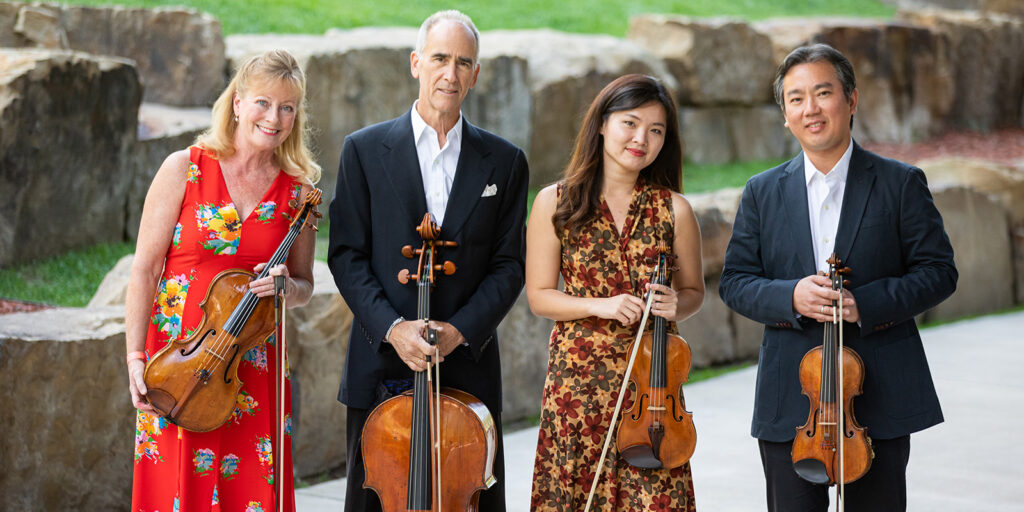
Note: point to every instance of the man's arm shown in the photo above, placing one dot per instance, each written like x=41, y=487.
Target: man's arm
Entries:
x=743, y=286
x=351, y=238
x=496, y=293
x=927, y=256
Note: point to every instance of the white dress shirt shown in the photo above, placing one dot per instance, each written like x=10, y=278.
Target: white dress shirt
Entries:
x=437, y=164
x=824, y=201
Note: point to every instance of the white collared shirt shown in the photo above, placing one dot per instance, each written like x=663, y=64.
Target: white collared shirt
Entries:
x=824, y=201
x=437, y=164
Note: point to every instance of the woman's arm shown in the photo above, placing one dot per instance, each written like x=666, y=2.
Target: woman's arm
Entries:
x=299, y=270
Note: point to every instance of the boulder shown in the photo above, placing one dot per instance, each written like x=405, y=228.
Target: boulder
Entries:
x=978, y=228
x=1011, y=7
x=708, y=332
x=904, y=72
x=718, y=135
x=1004, y=183
x=564, y=74
x=163, y=129
x=986, y=66
x=715, y=214
x=716, y=61
x=354, y=78
x=523, y=341
x=67, y=128
x=318, y=342
x=179, y=52
x=113, y=290
x=67, y=414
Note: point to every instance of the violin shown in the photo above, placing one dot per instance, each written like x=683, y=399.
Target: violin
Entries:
x=670, y=437
x=194, y=382
x=657, y=431
x=430, y=448
x=831, y=447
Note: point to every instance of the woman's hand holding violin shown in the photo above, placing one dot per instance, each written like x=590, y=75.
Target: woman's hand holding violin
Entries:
x=624, y=308
x=666, y=301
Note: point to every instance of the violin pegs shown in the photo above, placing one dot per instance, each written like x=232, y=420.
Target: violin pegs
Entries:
x=317, y=214
x=673, y=269
x=408, y=251
x=293, y=203
x=314, y=228
x=846, y=282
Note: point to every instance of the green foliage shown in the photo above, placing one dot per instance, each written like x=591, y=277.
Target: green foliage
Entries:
x=705, y=178
x=585, y=16
x=70, y=279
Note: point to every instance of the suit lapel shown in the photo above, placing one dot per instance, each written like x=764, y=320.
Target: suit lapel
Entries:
x=859, y=180
x=793, y=189
x=402, y=168
x=471, y=175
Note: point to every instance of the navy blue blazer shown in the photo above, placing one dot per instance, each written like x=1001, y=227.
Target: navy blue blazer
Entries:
x=891, y=237
x=378, y=203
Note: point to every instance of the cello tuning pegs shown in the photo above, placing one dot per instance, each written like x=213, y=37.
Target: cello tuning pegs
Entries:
x=448, y=268
x=844, y=270
x=449, y=243
x=404, y=276
x=408, y=251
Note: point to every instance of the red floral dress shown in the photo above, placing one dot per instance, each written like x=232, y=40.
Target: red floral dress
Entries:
x=230, y=468
x=586, y=362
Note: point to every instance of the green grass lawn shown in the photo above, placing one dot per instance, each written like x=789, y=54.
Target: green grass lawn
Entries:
x=70, y=279
x=593, y=16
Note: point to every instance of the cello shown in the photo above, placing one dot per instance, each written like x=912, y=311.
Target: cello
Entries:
x=432, y=448
x=658, y=431
x=831, y=447
x=194, y=382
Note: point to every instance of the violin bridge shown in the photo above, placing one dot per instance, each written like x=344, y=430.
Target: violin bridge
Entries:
x=660, y=408
x=214, y=354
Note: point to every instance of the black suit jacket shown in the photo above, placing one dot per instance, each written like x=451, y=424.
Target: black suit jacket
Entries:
x=378, y=203
x=891, y=237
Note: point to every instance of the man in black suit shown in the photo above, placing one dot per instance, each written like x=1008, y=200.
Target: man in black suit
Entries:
x=877, y=215
x=474, y=184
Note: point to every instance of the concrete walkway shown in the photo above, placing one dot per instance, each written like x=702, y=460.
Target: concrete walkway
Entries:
x=969, y=463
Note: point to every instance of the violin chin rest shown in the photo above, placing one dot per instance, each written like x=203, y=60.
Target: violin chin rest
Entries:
x=641, y=456
x=812, y=470
x=161, y=401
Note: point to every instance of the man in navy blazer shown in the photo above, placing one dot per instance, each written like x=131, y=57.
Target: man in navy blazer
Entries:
x=878, y=217
x=474, y=184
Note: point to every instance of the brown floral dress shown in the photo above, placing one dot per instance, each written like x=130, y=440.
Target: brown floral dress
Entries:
x=586, y=360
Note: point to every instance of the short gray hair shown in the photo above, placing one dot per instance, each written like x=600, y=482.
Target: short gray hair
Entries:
x=816, y=53
x=451, y=15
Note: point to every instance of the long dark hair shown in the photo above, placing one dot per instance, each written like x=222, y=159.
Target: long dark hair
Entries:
x=581, y=192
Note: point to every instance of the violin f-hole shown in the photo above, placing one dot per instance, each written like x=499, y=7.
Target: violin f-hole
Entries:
x=638, y=408
x=674, y=404
x=189, y=350
x=227, y=377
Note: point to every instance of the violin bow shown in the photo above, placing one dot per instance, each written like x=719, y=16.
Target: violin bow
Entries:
x=841, y=488
x=279, y=389
x=618, y=403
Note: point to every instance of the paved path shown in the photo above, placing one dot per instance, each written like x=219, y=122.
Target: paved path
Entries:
x=967, y=464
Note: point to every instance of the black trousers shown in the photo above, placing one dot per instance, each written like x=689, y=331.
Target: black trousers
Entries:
x=358, y=499
x=882, y=489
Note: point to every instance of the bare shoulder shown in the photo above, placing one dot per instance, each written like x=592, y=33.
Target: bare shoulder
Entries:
x=547, y=196
x=175, y=167
x=680, y=206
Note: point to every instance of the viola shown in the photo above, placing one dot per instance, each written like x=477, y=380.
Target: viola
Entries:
x=657, y=431
x=831, y=447
x=194, y=382
x=431, y=448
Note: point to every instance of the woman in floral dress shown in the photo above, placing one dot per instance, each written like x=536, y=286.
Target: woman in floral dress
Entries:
x=599, y=228
x=224, y=203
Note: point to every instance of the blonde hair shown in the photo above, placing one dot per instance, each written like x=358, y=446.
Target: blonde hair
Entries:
x=275, y=66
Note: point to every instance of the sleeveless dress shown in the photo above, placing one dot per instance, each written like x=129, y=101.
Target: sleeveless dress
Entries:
x=586, y=361
x=231, y=467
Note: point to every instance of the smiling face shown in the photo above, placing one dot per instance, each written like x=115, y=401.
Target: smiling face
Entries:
x=266, y=114
x=447, y=70
x=633, y=138
x=816, y=110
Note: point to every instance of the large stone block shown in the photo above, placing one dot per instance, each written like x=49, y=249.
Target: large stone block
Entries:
x=1012, y=7
x=68, y=419
x=564, y=74
x=67, y=128
x=354, y=78
x=986, y=66
x=709, y=332
x=163, y=129
x=978, y=228
x=179, y=52
x=715, y=214
x=523, y=340
x=716, y=61
x=1004, y=183
x=718, y=135
x=318, y=336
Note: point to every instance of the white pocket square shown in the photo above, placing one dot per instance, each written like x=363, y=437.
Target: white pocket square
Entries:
x=490, y=190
